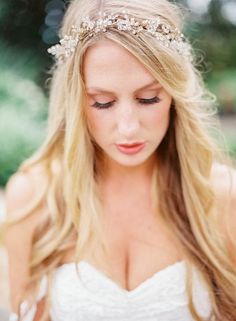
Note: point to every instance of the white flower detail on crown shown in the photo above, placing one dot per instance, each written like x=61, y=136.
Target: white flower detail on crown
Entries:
x=163, y=32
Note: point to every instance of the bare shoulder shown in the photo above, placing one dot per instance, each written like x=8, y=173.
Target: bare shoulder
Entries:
x=22, y=188
x=224, y=180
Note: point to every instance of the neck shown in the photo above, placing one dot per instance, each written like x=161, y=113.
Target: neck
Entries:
x=128, y=177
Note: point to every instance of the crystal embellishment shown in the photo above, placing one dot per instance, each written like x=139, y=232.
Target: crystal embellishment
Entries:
x=156, y=27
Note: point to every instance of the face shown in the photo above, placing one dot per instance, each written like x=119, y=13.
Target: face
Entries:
x=127, y=109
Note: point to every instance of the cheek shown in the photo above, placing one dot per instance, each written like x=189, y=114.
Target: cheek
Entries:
x=98, y=123
x=159, y=119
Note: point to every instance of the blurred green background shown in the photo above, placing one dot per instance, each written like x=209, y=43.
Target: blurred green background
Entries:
x=28, y=28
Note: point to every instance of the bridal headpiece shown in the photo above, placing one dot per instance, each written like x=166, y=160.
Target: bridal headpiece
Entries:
x=156, y=27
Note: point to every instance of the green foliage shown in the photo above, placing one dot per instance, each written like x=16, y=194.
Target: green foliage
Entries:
x=19, y=137
x=3, y=9
x=22, y=111
x=214, y=36
x=223, y=85
x=232, y=145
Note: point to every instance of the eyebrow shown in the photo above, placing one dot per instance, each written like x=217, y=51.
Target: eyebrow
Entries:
x=110, y=92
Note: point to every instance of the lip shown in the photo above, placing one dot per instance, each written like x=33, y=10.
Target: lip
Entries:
x=131, y=144
x=130, y=149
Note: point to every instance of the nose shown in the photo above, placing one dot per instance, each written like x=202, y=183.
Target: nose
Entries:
x=128, y=122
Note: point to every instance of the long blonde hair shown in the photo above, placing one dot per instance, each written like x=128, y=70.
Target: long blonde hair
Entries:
x=185, y=158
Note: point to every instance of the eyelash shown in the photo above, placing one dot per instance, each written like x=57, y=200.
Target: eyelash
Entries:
x=151, y=101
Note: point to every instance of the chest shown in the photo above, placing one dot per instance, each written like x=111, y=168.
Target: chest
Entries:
x=137, y=246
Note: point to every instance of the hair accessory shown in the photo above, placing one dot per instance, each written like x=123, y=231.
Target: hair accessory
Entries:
x=156, y=27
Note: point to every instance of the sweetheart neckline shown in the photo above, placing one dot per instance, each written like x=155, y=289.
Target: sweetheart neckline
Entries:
x=114, y=284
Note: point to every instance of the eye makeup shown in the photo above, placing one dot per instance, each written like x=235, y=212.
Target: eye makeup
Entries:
x=142, y=101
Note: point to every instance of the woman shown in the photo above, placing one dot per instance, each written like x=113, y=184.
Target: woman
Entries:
x=126, y=189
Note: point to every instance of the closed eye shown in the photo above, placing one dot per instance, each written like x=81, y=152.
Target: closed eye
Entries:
x=151, y=101
x=142, y=101
x=103, y=106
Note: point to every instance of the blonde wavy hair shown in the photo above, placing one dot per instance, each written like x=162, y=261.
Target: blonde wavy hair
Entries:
x=73, y=211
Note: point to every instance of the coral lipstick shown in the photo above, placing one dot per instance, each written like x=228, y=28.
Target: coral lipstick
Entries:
x=130, y=149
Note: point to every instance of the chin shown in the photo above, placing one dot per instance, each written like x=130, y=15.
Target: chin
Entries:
x=132, y=161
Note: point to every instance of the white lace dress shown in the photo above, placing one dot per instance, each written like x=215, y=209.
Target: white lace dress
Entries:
x=95, y=297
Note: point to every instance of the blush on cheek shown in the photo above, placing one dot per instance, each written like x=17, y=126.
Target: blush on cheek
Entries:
x=161, y=116
x=92, y=116
x=96, y=124
x=90, y=123
x=160, y=123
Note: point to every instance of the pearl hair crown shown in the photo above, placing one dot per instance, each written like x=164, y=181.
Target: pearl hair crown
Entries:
x=156, y=27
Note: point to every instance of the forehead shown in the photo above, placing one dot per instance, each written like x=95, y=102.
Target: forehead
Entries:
x=107, y=64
